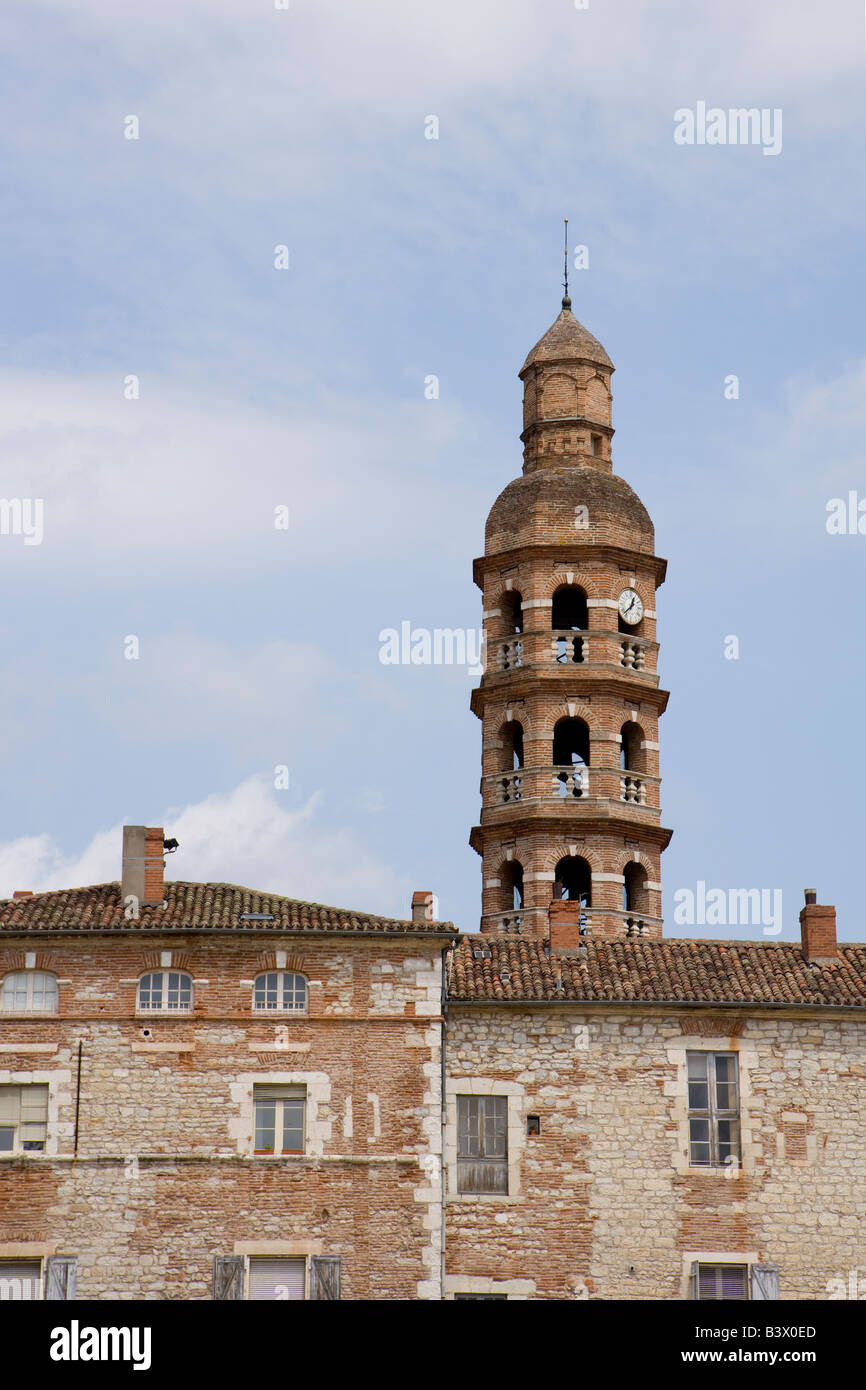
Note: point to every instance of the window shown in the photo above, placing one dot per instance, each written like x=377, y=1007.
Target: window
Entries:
x=277, y=1279
x=482, y=1144
x=20, y=1279
x=280, y=991
x=165, y=991
x=29, y=991
x=279, y=1119
x=283, y=1280
x=727, y=1282
x=714, y=1118
x=23, y=1119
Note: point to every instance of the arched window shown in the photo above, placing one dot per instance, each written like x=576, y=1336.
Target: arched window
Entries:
x=632, y=756
x=280, y=991
x=512, y=612
x=511, y=736
x=571, y=757
x=634, y=888
x=29, y=992
x=165, y=991
x=512, y=886
x=573, y=880
x=569, y=609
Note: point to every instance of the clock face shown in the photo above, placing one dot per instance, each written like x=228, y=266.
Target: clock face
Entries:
x=630, y=607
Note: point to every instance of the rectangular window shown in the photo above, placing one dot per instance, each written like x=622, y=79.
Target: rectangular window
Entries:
x=282, y=1280
x=279, y=1119
x=722, y=1282
x=482, y=1144
x=20, y=1279
x=23, y=1119
x=714, y=1111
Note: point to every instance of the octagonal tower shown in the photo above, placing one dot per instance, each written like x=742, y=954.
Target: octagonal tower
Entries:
x=570, y=700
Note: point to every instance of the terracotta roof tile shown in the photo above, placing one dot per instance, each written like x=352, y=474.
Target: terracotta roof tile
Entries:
x=194, y=906
x=667, y=971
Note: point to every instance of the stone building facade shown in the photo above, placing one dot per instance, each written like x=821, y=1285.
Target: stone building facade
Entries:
x=208, y=1092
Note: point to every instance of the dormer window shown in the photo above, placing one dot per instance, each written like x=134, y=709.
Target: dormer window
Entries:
x=280, y=991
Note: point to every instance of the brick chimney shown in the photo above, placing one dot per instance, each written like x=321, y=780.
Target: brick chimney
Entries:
x=422, y=908
x=818, y=929
x=143, y=872
x=22, y=893
x=564, y=918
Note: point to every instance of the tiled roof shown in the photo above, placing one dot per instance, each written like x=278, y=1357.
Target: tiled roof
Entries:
x=194, y=906
x=567, y=339
x=657, y=972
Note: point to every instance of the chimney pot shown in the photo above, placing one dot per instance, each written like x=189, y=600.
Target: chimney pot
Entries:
x=564, y=918
x=143, y=869
x=22, y=893
x=818, y=930
x=422, y=908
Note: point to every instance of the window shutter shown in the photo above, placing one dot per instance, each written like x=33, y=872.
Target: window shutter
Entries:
x=60, y=1272
x=277, y=1279
x=325, y=1277
x=228, y=1276
x=765, y=1281
x=693, y=1279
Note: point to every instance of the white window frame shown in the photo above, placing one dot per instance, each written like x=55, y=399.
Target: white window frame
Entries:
x=281, y=1007
x=30, y=976
x=18, y=1150
x=299, y=1098
x=711, y=1114
x=164, y=1008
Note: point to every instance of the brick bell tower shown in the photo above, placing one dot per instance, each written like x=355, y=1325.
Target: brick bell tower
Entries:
x=570, y=835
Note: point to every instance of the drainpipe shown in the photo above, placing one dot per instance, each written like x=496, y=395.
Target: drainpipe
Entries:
x=444, y=1072
x=77, y=1100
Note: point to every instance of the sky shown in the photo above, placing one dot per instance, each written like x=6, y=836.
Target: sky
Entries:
x=171, y=656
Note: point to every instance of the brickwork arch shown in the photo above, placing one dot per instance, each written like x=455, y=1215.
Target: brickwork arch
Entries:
x=179, y=961
x=11, y=961
x=585, y=579
x=559, y=396
x=295, y=963
x=548, y=857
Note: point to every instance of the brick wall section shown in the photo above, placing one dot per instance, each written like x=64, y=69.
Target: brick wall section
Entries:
x=165, y=1178
x=606, y=1187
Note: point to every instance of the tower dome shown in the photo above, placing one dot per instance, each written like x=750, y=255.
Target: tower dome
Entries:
x=566, y=398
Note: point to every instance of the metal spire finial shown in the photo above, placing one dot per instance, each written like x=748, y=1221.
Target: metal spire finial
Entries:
x=566, y=302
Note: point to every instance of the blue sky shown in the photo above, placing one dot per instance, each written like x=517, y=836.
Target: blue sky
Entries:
x=305, y=387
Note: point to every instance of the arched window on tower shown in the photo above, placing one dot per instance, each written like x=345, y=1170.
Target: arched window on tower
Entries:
x=512, y=612
x=571, y=757
x=511, y=631
x=510, y=895
x=634, y=898
x=510, y=785
x=573, y=880
x=632, y=762
x=569, y=614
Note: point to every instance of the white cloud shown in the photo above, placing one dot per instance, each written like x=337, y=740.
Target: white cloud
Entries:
x=175, y=484
x=245, y=836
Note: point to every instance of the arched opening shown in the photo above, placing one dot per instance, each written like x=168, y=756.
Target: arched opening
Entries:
x=634, y=892
x=511, y=739
x=512, y=886
x=632, y=755
x=512, y=613
x=573, y=880
x=571, y=757
x=569, y=613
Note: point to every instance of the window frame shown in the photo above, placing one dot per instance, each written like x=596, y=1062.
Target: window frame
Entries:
x=293, y=1010
x=28, y=1008
x=17, y=1148
x=173, y=1011
x=297, y=1098
x=712, y=1114
x=39, y=1281
x=486, y=1142
x=716, y=1267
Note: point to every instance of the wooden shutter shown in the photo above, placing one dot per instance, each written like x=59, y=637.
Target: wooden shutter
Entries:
x=282, y=1280
x=60, y=1272
x=324, y=1277
x=228, y=1276
x=765, y=1281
